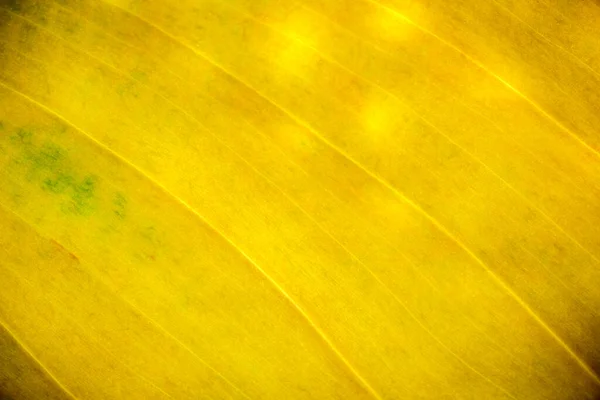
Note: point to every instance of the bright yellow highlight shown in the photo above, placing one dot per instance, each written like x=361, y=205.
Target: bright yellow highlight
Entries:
x=324, y=199
x=298, y=55
x=383, y=120
x=389, y=26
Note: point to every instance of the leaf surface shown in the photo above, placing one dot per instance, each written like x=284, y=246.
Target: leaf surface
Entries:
x=319, y=199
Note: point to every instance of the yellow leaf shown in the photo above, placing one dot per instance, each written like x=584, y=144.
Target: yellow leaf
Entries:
x=315, y=199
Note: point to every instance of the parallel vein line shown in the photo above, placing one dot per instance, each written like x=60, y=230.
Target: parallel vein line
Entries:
x=133, y=167
x=550, y=42
x=37, y=360
x=296, y=306
x=354, y=35
x=441, y=133
x=97, y=26
x=454, y=98
x=536, y=106
x=453, y=142
x=462, y=149
x=73, y=321
x=255, y=170
x=94, y=273
x=357, y=375
x=294, y=203
x=401, y=196
x=365, y=266
x=385, y=286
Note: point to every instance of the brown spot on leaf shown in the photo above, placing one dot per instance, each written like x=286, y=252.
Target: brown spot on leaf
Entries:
x=60, y=246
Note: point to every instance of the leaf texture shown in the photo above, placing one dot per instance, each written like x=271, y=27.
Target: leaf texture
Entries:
x=316, y=199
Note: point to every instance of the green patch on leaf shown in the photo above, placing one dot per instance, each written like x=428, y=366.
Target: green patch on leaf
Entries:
x=21, y=137
x=59, y=184
x=49, y=157
x=49, y=166
x=82, y=195
x=120, y=204
x=128, y=88
x=14, y=5
x=139, y=75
